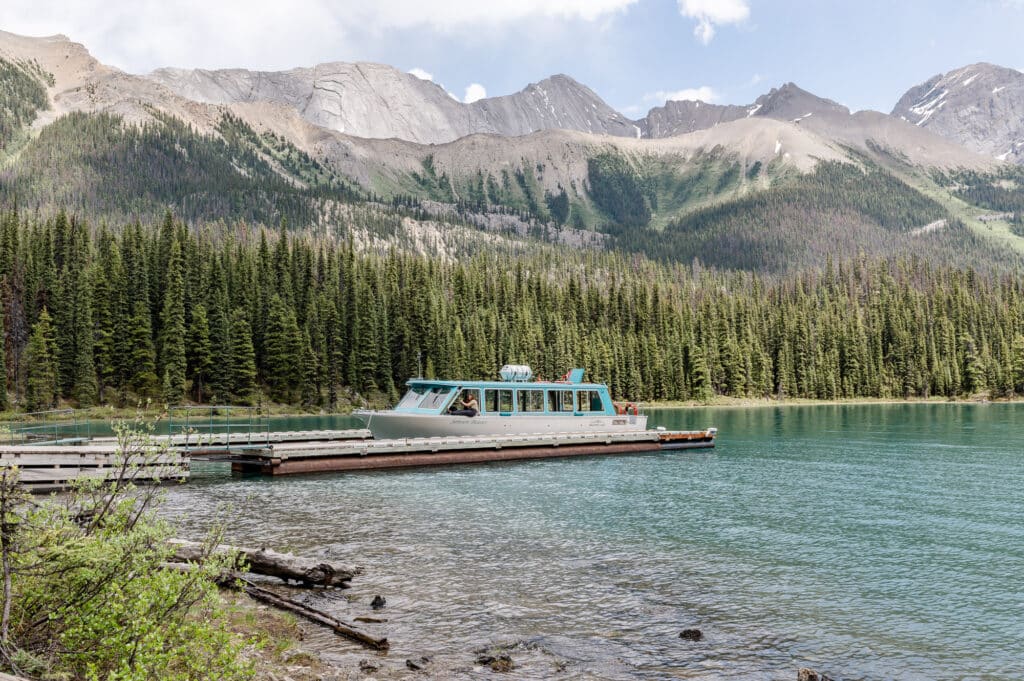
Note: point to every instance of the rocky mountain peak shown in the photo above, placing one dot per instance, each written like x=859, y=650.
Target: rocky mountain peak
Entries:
x=681, y=117
x=377, y=101
x=980, y=106
x=791, y=102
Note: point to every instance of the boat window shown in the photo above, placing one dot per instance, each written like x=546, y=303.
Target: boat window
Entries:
x=412, y=398
x=467, y=395
x=589, y=400
x=560, y=400
x=498, y=400
x=436, y=398
x=531, y=400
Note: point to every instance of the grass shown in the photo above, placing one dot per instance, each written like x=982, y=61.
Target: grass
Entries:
x=274, y=640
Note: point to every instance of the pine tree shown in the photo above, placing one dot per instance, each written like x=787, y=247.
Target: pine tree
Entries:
x=701, y=374
x=4, y=402
x=105, y=320
x=200, y=355
x=310, y=365
x=243, y=357
x=41, y=383
x=172, y=325
x=282, y=350
x=141, y=372
x=1017, y=364
x=84, y=388
x=219, y=321
x=974, y=366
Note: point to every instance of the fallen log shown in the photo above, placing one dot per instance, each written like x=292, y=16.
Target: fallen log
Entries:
x=314, y=615
x=231, y=579
x=286, y=566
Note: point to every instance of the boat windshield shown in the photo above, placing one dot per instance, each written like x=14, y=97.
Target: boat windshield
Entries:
x=413, y=397
x=437, y=396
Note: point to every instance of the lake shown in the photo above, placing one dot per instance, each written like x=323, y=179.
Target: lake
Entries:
x=864, y=541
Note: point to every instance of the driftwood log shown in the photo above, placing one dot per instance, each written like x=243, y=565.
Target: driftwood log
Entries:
x=314, y=615
x=286, y=566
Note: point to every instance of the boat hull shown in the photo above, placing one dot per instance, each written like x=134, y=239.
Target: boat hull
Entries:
x=387, y=425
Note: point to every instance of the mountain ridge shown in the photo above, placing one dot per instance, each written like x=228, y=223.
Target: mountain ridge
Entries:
x=257, y=146
x=980, y=106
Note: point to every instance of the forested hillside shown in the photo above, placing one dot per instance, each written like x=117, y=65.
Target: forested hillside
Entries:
x=170, y=313
x=98, y=165
x=22, y=95
x=839, y=209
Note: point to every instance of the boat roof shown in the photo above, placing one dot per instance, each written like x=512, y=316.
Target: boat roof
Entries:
x=521, y=385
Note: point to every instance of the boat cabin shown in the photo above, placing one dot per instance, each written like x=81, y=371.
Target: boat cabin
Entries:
x=515, y=395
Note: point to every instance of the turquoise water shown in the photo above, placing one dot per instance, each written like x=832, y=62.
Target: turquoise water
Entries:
x=879, y=541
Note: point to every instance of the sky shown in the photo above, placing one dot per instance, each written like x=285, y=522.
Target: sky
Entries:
x=634, y=53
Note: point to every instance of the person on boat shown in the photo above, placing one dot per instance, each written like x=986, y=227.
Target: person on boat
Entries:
x=470, y=407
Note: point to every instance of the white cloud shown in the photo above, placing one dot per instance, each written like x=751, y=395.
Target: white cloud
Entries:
x=710, y=13
x=139, y=35
x=474, y=91
x=704, y=93
x=421, y=74
x=446, y=14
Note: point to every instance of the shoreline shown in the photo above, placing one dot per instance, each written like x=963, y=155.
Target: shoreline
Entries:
x=110, y=413
x=722, y=401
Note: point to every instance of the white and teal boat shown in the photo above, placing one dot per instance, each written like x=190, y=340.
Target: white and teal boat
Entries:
x=515, y=405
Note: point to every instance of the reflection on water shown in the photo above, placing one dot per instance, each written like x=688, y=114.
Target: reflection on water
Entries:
x=880, y=541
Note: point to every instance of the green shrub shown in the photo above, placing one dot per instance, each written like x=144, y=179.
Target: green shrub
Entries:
x=89, y=593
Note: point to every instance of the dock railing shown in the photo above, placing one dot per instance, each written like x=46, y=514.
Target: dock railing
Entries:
x=50, y=427
x=222, y=426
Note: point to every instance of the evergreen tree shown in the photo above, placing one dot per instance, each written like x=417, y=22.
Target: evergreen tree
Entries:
x=974, y=366
x=200, y=352
x=41, y=382
x=141, y=373
x=282, y=350
x=4, y=403
x=105, y=320
x=1017, y=364
x=243, y=357
x=701, y=374
x=172, y=324
x=219, y=321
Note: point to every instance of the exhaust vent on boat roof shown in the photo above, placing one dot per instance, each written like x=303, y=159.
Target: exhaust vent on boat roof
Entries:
x=516, y=372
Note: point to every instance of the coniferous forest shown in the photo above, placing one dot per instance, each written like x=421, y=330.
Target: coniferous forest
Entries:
x=171, y=314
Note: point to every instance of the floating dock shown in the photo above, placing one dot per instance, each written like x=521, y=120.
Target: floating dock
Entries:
x=55, y=466
x=47, y=468
x=319, y=457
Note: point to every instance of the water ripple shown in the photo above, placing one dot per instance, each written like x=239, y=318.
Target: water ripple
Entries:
x=881, y=541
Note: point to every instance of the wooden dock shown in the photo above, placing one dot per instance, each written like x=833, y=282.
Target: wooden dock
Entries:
x=317, y=457
x=202, y=439
x=55, y=466
x=45, y=468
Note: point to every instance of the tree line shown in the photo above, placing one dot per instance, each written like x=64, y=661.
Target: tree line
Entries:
x=98, y=315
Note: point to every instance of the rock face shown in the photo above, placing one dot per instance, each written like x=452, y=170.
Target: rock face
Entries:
x=380, y=102
x=786, y=103
x=823, y=117
x=376, y=125
x=980, y=106
x=680, y=118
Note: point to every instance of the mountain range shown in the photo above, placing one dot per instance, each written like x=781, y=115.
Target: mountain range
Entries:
x=553, y=154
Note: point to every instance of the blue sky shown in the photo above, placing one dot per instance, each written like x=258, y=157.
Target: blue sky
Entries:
x=633, y=53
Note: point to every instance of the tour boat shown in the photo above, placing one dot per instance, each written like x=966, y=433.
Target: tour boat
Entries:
x=516, y=405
